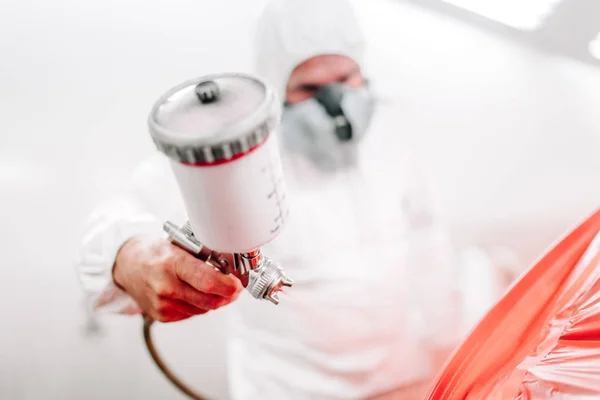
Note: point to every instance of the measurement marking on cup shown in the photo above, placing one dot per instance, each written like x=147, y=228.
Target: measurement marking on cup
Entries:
x=277, y=182
x=281, y=200
x=275, y=191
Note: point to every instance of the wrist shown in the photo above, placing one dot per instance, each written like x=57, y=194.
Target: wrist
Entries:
x=121, y=263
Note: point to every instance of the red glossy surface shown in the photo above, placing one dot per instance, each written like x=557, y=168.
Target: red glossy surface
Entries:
x=542, y=339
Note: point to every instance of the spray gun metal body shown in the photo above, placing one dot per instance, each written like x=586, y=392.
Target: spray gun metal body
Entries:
x=261, y=276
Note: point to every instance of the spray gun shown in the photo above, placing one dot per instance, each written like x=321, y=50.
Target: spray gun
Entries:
x=262, y=277
x=219, y=133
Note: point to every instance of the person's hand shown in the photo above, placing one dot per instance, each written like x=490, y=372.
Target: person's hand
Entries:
x=168, y=283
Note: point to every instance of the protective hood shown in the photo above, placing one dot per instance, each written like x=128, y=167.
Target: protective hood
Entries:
x=290, y=32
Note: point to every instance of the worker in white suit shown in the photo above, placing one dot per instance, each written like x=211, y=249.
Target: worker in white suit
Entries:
x=374, y=288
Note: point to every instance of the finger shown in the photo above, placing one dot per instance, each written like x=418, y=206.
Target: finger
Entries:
x=205, y=278
x=175, y=317
x=169, y=317
x=201, y=300
x=169, y=307
x=186, y=308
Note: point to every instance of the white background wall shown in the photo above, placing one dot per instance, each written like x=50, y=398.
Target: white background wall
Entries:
x=511, y=135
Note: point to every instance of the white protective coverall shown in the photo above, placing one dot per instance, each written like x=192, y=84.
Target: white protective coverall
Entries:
x=375, y=283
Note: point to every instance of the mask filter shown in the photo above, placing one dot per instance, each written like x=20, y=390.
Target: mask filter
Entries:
x=328, y=126
x=330, y=98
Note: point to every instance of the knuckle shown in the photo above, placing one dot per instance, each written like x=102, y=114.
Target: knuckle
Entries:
x=162, y=267
x=232, y=288
x=159, y=251
x=173, y=259
x=163, y=289
x=157, y=264
x=201, y=271
x=208, y=285
x=167, y=263
x=185, y=272
x=165, y=257
x=197, y=278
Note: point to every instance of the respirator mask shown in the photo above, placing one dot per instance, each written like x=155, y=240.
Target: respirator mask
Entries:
x=328, y=126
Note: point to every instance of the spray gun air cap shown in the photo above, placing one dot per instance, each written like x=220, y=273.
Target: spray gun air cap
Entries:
x=213, y=119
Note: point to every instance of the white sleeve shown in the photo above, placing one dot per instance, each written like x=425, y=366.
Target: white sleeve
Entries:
x=151, y=197
x=433, y=267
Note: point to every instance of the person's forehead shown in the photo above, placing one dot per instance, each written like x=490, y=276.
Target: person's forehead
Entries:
x=321, y=69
